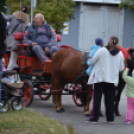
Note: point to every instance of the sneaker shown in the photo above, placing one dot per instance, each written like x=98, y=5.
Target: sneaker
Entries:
x=88, y=120
x=94, y=122
x=110, y=122
x=127, y=122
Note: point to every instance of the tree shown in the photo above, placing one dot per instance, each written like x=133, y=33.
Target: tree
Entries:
x=129, y=3
x=56, y=12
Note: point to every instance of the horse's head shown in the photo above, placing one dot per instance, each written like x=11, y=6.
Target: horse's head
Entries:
x=130, y=64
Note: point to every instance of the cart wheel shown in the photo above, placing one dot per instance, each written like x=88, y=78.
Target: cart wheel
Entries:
x=77, y=99
x=4, y=106
x=27, y=93
x=16, y=104
x=45, y=97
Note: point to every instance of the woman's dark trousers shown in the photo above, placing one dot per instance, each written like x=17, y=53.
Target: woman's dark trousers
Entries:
x=108, y=90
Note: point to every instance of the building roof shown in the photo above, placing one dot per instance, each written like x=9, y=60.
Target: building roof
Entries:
x=101, y=1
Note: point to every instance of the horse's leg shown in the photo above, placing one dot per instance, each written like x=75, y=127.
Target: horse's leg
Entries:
x=117, y=100
x=57, y=102
x=86, y=109
x=60, y=100
x=61, y=87
x=118, y=95
x=58, y=93
x=56, y=89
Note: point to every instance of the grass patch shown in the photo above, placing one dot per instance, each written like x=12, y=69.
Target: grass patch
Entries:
x=27, y=121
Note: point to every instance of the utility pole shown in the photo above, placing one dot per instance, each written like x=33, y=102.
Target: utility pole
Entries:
x=20, y=5
x=33, y=5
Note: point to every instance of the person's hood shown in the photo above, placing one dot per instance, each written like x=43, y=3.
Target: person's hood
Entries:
x=21, y=16
x=114, y=52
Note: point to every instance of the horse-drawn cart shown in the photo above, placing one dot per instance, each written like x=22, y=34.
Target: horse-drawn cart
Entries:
x=37, y=77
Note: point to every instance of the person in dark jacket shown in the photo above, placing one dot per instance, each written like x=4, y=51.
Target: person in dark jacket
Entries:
x=3, y=25
x=42, y=38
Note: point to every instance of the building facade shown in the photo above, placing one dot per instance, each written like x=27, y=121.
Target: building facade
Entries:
x=99, y=18
x=128, y=29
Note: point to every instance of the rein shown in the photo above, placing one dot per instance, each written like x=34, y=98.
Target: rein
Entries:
x=77, y=50
x=83, y=74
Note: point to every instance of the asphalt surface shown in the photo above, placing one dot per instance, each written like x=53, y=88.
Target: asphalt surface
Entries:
x=74, y=116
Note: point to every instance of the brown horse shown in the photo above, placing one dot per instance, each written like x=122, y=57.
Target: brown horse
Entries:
x=66, y=67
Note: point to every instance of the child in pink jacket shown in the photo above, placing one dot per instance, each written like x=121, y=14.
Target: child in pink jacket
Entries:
x=130, y=95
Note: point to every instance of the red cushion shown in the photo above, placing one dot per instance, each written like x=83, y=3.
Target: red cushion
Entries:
x=25, y=45
x=58, y=37
x=19, y=36
x=66, y=46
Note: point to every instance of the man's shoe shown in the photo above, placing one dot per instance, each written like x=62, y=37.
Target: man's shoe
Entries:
x=110, y=122
x=127, y=122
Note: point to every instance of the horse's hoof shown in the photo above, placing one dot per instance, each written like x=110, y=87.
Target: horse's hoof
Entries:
x=101, y=115
x=62, y=109
x=59, y=111
x=87, y=115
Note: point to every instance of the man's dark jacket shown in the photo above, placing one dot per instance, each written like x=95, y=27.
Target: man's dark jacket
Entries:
x=3, y=24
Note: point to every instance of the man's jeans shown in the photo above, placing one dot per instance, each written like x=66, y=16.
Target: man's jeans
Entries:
x=0, y=77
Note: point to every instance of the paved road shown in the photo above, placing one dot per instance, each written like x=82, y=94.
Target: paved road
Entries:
x=74, y=115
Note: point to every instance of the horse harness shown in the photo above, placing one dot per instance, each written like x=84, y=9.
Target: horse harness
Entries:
x=83, y=74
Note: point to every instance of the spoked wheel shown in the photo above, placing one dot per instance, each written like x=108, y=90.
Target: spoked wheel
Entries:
x=27, y=93
x=45, y=97
x=4, y=106
x=77, y=98
x=16, y=104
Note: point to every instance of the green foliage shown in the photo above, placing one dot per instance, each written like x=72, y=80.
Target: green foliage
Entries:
x=56, y=12
x=129, y=3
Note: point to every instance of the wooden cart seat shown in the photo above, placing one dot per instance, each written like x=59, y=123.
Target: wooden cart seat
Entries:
x=27, y=60
x=23, y=48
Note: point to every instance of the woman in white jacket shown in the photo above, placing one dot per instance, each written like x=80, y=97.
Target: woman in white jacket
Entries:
x=108, y=62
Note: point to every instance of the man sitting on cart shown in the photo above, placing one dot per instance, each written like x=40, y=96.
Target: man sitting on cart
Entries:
x=42, y=38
